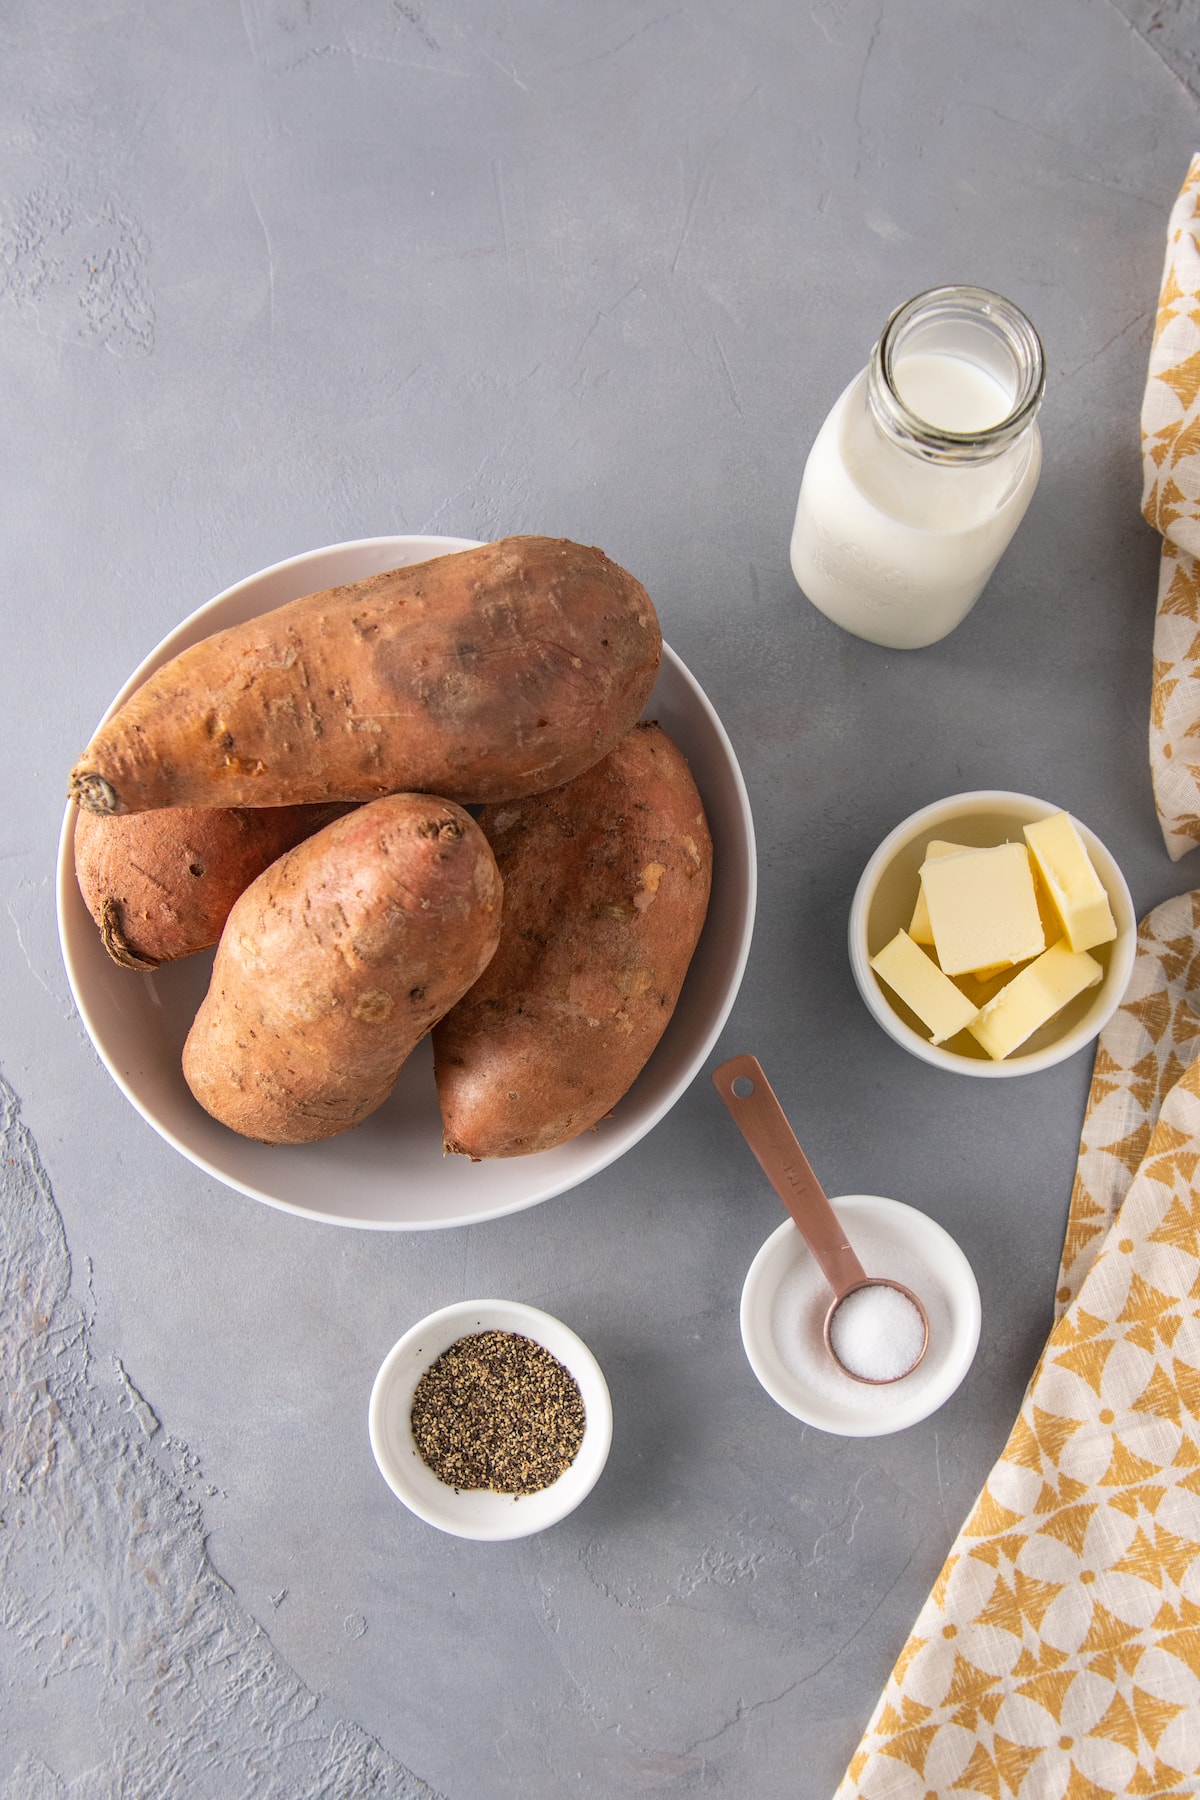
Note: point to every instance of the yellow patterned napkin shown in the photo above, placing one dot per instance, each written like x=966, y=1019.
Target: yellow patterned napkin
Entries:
x=1171, y=502
x=1058, y=1657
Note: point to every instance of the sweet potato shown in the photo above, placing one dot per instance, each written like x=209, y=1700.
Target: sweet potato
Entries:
x=606, y=884
x=482, y=675
x=160, y=884
x=336, y=961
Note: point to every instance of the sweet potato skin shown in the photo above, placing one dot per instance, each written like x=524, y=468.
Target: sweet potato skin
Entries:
x=160, y=885
x=480, y=675
x=336, y=961
x=606, y=884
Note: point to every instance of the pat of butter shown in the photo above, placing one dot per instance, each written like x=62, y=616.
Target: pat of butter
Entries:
x=1033, y=997
x=921, y=985
x=921, y=931
x=1078, y=894
x=982, y=908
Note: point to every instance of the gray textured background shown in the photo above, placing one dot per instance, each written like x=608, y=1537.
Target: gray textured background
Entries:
x=291, y=271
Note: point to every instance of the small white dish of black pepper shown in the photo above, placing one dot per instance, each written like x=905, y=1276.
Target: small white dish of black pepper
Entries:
x=490, y=1419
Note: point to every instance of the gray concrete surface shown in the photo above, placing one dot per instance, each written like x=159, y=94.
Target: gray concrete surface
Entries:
x=280, y=273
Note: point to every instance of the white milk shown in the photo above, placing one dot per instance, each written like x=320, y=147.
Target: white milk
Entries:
x=951, y=393
x=896, y=545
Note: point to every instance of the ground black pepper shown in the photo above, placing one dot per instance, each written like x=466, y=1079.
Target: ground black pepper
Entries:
x=497, y=1411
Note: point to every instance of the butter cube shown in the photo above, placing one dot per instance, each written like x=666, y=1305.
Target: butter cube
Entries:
x=982, y=908
x=1032, y=997
x=921, y=985
x=921, y=931
x=1077, y=892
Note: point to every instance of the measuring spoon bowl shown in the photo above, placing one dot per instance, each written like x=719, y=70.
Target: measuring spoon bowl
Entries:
x=914, y=1314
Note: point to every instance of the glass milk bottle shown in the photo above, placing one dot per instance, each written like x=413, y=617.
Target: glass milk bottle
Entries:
x=923, y=470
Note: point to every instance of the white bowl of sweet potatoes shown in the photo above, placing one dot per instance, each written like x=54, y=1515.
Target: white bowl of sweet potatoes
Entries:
x=390, y=1172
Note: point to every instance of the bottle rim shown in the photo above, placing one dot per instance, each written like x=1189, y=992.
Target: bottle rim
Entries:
x=933, y=442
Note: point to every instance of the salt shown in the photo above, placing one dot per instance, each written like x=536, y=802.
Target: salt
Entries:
x=797, y=1308
x=877, y=1333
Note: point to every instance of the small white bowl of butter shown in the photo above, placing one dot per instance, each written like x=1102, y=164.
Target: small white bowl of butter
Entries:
x=965, y=1020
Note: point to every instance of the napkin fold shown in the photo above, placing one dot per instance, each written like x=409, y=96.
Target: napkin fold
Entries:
x=1058, y=1656
x=1171, y=503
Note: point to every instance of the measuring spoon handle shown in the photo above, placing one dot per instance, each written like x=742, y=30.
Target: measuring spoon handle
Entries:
x=763, y=1123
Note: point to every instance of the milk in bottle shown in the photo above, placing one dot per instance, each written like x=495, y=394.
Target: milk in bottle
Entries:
x=923, y=470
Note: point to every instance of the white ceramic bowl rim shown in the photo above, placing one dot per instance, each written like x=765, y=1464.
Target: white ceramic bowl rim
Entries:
x=482, y=1515
x=1108, y=994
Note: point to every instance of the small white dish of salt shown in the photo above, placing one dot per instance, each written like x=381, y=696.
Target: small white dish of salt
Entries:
x=785, y=1299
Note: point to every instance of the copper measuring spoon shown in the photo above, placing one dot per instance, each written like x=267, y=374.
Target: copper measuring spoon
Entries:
x=762, y=1122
